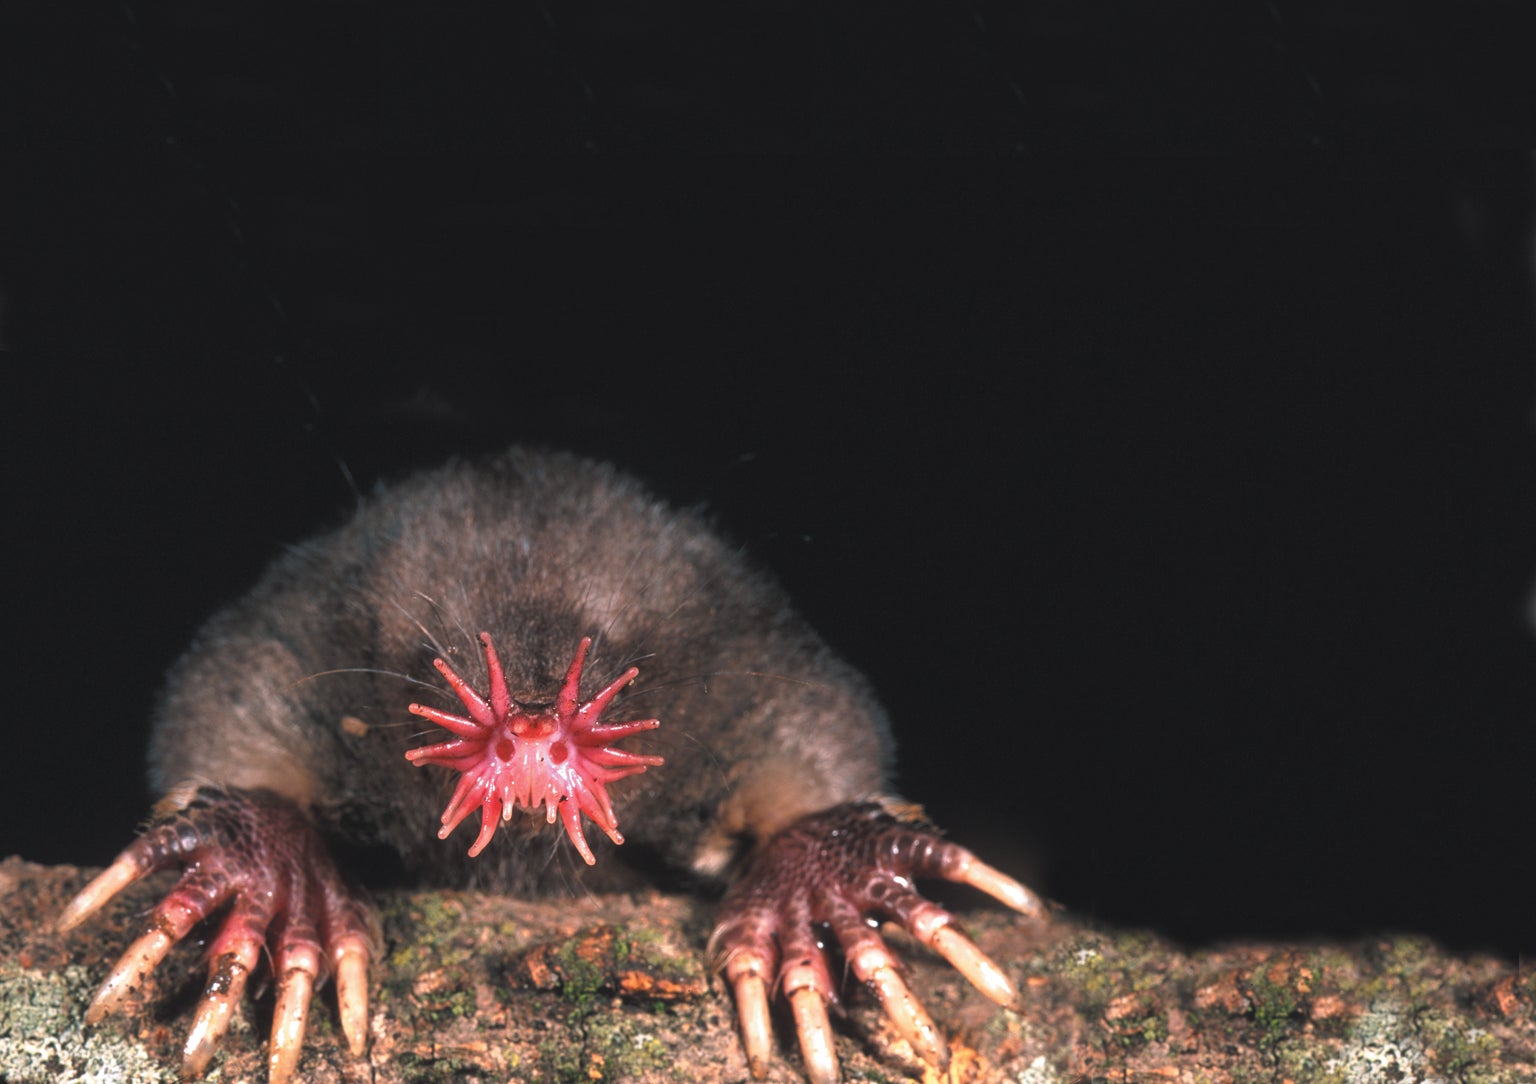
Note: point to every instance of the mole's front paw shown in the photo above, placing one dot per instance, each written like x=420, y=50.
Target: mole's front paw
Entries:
x=258, y=853
x=834, y=871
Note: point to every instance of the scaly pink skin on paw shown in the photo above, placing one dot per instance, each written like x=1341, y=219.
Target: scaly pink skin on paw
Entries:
x=515, y=758
x=834, y=871
x=256, y=853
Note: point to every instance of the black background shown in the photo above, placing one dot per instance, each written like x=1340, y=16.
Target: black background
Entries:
x=1181, y=508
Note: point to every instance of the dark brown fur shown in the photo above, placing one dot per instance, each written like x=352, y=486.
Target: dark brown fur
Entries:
x=302, y=685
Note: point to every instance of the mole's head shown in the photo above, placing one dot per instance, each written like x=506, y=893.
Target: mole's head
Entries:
x=514, y=757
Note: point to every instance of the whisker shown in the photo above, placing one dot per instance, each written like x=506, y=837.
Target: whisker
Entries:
x=430, y=641
x=469, y=636
x=698, y=590
x=620, y=592
x=716, y=762
x=702, y=679
x=433, y=643
x=361, y=670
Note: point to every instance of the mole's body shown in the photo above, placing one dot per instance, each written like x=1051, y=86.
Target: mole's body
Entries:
x=283, y=735
x=539, y=552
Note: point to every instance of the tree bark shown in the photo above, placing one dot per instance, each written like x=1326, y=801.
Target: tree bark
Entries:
x=616, y=988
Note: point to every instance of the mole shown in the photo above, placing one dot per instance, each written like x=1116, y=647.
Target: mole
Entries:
x=535, y=638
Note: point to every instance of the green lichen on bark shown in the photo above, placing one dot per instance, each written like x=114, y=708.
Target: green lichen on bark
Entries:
x=43, y=1034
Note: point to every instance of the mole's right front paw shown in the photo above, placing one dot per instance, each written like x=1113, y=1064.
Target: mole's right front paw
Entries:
x=258, y=853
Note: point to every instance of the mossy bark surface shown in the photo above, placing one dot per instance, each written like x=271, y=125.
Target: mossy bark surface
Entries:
x=616, y=988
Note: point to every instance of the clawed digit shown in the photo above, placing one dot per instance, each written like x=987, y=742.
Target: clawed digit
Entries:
x=835, y=870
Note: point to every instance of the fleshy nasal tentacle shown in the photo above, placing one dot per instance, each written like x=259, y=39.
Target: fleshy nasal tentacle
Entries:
x=514, y=756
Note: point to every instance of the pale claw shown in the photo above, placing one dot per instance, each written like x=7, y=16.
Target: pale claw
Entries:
x=997, y=884
x=975, y=965
x=227, y=976
x=108, y=883
x=815, y=1032
x=351, y=962
x=746, y=974
x=142, y=957
x=873, y=965
x=288, y=1020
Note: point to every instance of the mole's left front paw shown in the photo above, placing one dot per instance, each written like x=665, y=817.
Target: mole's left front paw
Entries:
x=835, y=870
